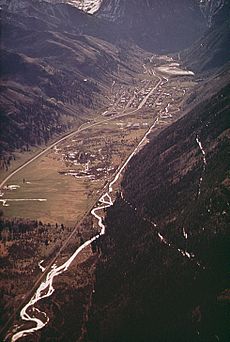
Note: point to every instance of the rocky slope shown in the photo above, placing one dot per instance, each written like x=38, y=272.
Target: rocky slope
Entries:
x=57, y=61
x=55, y=69
x=163, y=273
x=210, y=8
x=212, y=50
x=154, y=25
x=89, y=6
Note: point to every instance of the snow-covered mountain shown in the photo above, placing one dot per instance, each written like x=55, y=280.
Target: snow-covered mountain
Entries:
x=89, y=6
x=160, y=26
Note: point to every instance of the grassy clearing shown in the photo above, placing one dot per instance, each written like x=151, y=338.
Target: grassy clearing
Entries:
x=67, y=199
x=95, y=152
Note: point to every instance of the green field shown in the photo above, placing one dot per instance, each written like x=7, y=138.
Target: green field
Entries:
x=67, y=198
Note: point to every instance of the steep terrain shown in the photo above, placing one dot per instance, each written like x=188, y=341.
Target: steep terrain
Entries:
x=89, y=6
x=163, y=267
x=163, y=270
x=57, y=61
x=156, y=25
x=210, y=8
x=212, y=50
x=54, y=71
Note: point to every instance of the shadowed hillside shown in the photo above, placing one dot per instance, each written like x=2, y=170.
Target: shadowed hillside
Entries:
x=156, y=25
x=163, y=272
x=212, y=50
x=53, y=72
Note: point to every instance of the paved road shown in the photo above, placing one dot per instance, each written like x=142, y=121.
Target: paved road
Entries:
x=80, y=129
x=45, y=289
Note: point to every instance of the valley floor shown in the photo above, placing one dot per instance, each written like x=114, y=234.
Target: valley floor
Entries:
x=60, y=186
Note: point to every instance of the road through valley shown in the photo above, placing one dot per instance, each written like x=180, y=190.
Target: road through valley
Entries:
x=29, y=312
x=46, y=288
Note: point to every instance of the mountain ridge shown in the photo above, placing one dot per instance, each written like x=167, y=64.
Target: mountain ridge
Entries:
x=49, y=65
x=211, y=51
x=177, y=24
x=162, y=273
x=169, y=233
x=162, y=270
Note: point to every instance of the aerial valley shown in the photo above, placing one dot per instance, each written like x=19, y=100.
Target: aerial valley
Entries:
x=114, y=171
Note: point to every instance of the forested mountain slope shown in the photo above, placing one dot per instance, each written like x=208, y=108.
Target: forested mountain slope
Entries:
x=163, y=267
x=210, y=8
x=163, y=272
x=53, y=71
x=156, y=25
x=212, y=49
